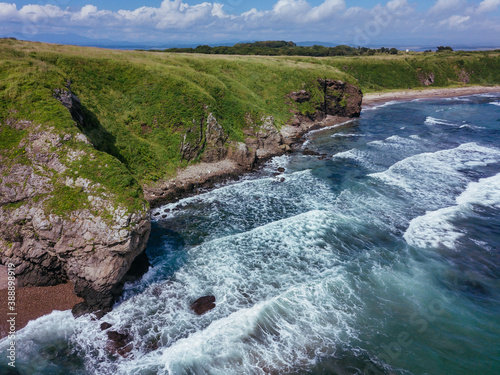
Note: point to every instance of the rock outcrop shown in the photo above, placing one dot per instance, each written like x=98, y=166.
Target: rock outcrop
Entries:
x=425, y=78
x=340, y=98
x=57, y=225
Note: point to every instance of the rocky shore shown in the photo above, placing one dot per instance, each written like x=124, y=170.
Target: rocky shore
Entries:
x=97, y=256
x=224, y=159
x=95, y=247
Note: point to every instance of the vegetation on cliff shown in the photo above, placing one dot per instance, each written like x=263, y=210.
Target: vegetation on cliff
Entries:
x=138, y=106
x=83, y=130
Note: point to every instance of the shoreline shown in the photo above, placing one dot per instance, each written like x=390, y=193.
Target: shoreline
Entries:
x=35, y=302
x=371, y=99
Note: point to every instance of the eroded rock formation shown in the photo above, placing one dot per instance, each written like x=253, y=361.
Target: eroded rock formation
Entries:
x=91, y=242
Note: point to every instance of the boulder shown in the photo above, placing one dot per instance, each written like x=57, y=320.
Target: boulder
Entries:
x=203, y=304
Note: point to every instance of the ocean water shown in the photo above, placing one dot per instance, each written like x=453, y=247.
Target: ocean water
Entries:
x=382, y=258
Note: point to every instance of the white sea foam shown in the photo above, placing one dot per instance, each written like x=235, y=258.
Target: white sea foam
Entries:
x=435, y=121
x=312, y=132
x=281, y=295
x=435, y=229
x=437, y=176
x=346, y=135
x=459, y=99
x=383, y=105
x=495, y=103
x=377, y=154
x=485, y=192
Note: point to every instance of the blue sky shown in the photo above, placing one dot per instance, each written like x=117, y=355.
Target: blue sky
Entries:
x=364, y=22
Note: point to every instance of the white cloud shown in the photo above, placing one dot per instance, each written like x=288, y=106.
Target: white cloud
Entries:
x=326, y=10
x=488, y=6
x=7, y=11
x=446, y=5
x=296, y=20
x=399, y=7
x=455, y=21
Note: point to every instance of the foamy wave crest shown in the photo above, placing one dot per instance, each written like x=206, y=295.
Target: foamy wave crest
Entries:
x=281, y=292
x=280, y=334
x=495, y=103
x=435, y=121
x=435, y=229
x=437, y=176
x=386, y=104
x=346, y=135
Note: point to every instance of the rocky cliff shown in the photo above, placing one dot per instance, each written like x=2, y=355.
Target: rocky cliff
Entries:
x=223, y=158
x=61, y=219
x=70, y=212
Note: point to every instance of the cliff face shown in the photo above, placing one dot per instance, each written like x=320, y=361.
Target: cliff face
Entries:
x=223, y=158
x=58, y=222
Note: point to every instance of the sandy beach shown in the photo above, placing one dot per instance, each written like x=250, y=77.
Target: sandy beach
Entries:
x=373, y=98
x=34, y=302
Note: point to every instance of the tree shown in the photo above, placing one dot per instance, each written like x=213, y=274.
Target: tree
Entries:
x=393, y=51
x=444, y=49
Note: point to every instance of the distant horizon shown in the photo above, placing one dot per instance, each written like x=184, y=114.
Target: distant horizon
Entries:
x=125, y=45
x=463, y=23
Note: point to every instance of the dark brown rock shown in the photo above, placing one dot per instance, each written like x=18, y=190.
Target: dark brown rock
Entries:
x=281, y=170
x=203, y=304
x=105, y=326
x=309, y=152
x=425, y=78
x=300, y=96
x=340, y=98
x=120, y=343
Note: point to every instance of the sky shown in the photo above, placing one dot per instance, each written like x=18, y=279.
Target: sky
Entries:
x=170, y=22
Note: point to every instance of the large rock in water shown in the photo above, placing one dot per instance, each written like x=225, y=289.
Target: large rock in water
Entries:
x=58, y=223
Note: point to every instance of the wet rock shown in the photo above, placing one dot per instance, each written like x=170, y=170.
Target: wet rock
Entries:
x=281, y=170
x=120, y=343
x=309, y=152
x=203, y=304
x=105, y=326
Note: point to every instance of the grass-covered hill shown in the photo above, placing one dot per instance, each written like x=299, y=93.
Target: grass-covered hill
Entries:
x=138, y=105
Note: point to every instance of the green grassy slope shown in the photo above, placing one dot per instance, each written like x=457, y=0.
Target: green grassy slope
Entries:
x=141, y=103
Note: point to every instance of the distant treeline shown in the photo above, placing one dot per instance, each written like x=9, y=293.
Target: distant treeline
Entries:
x=283, y=48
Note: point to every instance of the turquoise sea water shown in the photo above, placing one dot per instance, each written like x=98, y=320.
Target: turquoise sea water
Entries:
x=383, y=258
